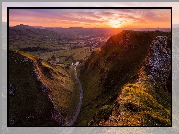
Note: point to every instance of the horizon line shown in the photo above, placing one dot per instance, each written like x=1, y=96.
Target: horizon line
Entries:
x=93, y=27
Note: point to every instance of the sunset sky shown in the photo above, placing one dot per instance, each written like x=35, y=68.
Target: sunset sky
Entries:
x=90, y=18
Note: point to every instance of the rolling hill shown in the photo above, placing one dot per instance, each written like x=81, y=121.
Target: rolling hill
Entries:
x=22, y=36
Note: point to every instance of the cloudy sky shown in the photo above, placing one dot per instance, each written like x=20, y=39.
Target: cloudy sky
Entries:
x=92, y=18
x=88, y=18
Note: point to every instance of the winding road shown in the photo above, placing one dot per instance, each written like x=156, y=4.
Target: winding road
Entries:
x=81, y=97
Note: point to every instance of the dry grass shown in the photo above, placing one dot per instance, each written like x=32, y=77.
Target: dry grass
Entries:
x=144, y=109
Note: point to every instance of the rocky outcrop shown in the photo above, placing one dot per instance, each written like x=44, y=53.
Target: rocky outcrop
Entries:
x=157, y=64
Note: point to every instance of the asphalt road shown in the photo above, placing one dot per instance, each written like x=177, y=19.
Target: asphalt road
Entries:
x=80, y=102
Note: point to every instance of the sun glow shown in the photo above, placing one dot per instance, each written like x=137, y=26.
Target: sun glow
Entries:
x=114, y=23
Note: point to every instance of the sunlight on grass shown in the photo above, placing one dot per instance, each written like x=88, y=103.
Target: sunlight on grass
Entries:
x=144, y=109
x=28, y=55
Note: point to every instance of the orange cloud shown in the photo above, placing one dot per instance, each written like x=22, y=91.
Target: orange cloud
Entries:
x=134, y=18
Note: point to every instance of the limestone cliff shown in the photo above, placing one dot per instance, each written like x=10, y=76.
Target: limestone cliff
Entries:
x=157, y=64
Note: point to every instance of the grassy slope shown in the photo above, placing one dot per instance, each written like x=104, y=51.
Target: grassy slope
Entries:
x=28, y=100
x=142, y=105
x=107, y=71
x=59, y=83
x=56, y=79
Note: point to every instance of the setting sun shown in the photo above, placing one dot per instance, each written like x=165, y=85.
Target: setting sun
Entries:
x=115, y=23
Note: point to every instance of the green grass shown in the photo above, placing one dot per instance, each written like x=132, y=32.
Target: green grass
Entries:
x=29, y=97
x=106, y=72
x=148, y=110
x=77, y=54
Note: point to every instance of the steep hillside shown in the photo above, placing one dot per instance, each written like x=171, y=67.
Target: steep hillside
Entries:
x=105, y=73
x=148, y=101
x=39, y=94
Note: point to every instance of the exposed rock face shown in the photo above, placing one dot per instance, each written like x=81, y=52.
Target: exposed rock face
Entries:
x=157, y=64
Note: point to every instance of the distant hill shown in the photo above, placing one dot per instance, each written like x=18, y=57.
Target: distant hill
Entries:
x=25, y=36
x=107, y=71
x=22, y=36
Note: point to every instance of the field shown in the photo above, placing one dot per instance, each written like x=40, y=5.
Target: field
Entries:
x=63, y=55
